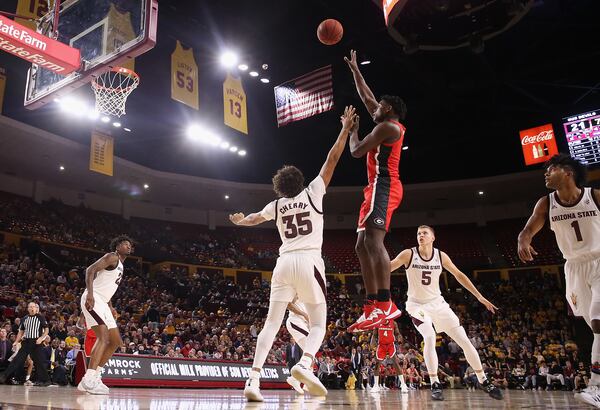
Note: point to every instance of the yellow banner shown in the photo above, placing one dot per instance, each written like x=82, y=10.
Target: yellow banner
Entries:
x=2, y=87
x=234, y=104
x=184, y=76
x=33, y=9
x=101, y=153
x=120, y=32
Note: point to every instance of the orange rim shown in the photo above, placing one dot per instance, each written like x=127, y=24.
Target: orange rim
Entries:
x=120, y=70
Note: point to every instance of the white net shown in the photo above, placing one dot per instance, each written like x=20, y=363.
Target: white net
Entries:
x=112, y=89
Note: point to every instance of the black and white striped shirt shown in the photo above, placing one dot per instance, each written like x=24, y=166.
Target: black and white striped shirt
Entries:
x=33, y=326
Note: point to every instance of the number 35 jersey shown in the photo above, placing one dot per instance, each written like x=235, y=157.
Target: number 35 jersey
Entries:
x=577, y=227
x=299, y=219
x=423, y=276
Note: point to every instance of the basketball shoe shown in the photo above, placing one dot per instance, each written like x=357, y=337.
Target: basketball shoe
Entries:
x=382, y=311
x=367, y=309
x=252, y=389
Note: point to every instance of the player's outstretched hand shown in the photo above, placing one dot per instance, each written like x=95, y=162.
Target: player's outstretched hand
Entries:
x=526, y=252
x=349, y=118
x=352, y=60
x=236, y=218
x=488, y=305
x=89, y=302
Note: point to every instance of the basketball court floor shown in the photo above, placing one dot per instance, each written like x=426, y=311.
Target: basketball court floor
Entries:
x=19, y=397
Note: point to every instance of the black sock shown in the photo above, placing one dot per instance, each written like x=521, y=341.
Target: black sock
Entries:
x=372, y=297
x=383, y=295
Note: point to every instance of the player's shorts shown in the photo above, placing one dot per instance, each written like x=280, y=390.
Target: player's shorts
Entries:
x=582, y=280
x=298, y=328
x=100, y=315
x=90, y=340
x=385, y=350
x=299, y=273
x=381, y=200
x=436, y=312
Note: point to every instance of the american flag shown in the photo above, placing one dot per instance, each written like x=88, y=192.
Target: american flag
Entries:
x=304, y=96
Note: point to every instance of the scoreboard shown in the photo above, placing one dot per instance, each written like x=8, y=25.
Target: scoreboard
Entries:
x=583, y=136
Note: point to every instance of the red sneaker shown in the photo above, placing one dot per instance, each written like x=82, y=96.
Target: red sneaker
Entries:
x=367, y=309
x=383, y=311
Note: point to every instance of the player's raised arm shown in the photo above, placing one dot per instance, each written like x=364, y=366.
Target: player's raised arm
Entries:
x=534, y=224
x=109, y=259
x=466, y=282
x=403, y=259
x=381, y=132
x=349, y=120
x=365, y=93
x=249, y=220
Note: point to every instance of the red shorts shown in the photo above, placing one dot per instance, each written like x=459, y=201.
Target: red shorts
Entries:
x=90, y=339
x=381, y=200
x=385, y=350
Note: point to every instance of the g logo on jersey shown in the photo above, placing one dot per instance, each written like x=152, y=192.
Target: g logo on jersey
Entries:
x=378, y=221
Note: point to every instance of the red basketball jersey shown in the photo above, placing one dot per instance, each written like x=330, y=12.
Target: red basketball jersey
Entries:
x=386, y=333
x=384, y=160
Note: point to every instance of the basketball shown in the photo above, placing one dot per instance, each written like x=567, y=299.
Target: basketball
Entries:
x=330, y=32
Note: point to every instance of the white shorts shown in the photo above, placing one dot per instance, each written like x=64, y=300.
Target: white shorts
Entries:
x=100, y=315
x=582, y=286
x=436, y=312
x=299, y=273
x=298, y=328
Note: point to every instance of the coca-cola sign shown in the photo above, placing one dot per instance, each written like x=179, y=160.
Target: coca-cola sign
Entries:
x=538, y=144
x=542, y=136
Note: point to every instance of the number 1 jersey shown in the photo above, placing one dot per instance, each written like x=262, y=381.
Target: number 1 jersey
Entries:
x=423, y=276
x=299, y=219
x=577, y=227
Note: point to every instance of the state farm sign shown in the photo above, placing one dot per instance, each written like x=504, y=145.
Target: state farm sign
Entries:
x=539, y=144
x=37, y=48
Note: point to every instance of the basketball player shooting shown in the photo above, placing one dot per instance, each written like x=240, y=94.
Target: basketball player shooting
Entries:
x=427, y=307
x=300, y=270
x=574, y=214
x=382, y=195
x=102, y=278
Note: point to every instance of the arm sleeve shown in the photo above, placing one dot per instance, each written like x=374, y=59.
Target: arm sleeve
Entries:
x=268, y=212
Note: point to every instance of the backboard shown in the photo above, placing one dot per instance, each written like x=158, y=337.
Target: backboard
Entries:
x=108, y=33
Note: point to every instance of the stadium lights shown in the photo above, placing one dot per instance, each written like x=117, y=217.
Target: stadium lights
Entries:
x=105, y=119
x=200, y=133
x=224, y=145
x=242, y=153
x=146, y=186
x=243, y=67
x=72, y=106
x=253, y=74
x=264, y=80
x=405, y=148
x=116, y=124
x=61, y=168
x=233, y=149
x=480, y=193
x=127, y=129
x=226, y=196
x=228, y=59
x=365, y=62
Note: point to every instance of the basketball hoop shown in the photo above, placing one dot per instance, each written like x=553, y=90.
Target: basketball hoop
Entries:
x=112, y=89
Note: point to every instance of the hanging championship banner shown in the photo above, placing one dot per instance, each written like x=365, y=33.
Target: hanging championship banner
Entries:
x=101, y=153
x=2, y=87
x=234, y=104
x=184, y=76
x=33, y=9
x=120, y=32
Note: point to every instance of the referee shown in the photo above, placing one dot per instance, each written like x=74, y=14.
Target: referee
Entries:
x=32, y=332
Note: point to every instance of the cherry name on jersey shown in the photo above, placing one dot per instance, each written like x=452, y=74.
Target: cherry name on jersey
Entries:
x=295, y=205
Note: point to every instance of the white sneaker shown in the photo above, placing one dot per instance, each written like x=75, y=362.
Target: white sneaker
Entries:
x=252, y=390
x=295, y=384
x=375, y=389
x=99, y=388
x=28, y=383
x=589, y=395
x=86, y=384
x=101, y=385
x=404, y=388
x=384, y=387
x=306, y=376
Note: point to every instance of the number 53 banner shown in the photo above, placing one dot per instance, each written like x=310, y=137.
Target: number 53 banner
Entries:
x=234, y=104
x=184, y=76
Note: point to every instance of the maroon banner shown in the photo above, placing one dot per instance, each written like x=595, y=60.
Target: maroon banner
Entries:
x=37, y=48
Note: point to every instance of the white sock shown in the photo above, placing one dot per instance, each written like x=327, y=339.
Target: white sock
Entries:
x=99, y=371
x=480, y=376
x=595, y=378
x=306, y=362
x=254, y=374
x=402, y=382
x=434, y=379
x=376, y=382
x=27, y=377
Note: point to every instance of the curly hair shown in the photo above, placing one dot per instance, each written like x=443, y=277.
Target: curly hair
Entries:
x=569, y=163
x=397, y=105
x=118, y=240
x=288, y=181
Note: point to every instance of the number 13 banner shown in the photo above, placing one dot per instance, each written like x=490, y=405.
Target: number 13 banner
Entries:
x=184, y=76
x=234, y=104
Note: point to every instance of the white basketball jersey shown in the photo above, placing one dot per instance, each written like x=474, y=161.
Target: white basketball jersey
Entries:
x=299, y=219
x=424, y=276
x=106, y=282
x=577, y=227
